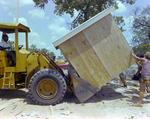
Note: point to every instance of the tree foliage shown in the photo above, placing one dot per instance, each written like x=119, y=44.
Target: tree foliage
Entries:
x=141, y=29
x=60, y=57
x=33, y=48
x=11, y=43
x=85, y=8
x=43, y=50
x=47, y=52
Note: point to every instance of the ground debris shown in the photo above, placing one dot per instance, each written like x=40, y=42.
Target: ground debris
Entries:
x=10, y=102
x=148, y=114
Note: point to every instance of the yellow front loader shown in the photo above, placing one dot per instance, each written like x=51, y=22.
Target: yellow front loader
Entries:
x=35, y=71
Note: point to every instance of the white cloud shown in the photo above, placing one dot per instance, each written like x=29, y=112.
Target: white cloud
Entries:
x=21, y=20
x=57, y=27
x=59, y=20
x=42, y=44
x=34, y=35
x=37, y=13
x=121, y=8
x=57, y=30
x=6, y=2
x=36, y=40
x=128, y=24
x=47, y=17
x=10, y=14
x=13, y=3
x=53, y=38
x=128, y=21
x=4, y=8
x=25, y=2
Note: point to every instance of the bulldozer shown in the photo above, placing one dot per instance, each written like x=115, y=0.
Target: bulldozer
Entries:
x=45, y=80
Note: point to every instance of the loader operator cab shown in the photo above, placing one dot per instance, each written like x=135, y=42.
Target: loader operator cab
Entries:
x=11, y=72
x=9, y=58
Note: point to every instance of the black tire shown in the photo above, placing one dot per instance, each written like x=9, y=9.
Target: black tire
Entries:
x=47, y=87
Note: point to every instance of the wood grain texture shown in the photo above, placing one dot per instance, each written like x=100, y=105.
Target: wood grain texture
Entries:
x=99, y=53
x=83, y=26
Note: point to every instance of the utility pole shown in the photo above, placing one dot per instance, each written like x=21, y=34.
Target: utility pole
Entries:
x=17, y=13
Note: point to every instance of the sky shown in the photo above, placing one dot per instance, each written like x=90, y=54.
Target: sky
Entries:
x=46, y=27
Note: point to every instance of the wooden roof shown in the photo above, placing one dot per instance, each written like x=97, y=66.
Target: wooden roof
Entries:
x=83, y=26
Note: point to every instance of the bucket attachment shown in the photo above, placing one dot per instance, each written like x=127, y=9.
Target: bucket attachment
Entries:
x=82, y=89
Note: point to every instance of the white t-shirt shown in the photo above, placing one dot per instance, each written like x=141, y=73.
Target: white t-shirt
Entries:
x=4, y=44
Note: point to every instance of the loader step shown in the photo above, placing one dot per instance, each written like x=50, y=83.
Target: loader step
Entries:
x=8, y=84
x=6, y=77
x=7, y=81
x=10, y=69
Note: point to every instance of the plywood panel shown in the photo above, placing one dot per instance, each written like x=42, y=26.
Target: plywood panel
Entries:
x=84, y=59
x=110, y=45
x=83, y=26
x=98, y=53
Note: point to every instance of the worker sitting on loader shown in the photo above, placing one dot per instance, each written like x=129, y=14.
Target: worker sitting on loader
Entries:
x=5, y=46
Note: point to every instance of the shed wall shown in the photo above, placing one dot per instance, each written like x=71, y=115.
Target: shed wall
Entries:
x=98, y=53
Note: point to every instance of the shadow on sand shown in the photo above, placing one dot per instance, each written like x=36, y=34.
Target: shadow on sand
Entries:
x=107, y=92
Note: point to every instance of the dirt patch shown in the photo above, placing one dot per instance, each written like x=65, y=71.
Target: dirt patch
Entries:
x=111, y=102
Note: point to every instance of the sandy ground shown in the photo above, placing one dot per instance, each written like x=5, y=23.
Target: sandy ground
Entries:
x=112, y=102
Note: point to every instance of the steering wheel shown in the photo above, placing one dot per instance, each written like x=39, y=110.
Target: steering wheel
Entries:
x=20, y=46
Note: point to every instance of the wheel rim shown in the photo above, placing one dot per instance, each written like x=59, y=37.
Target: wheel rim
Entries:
x=47, y=88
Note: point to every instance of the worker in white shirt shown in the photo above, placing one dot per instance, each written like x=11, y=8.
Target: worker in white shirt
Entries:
x=5, y=46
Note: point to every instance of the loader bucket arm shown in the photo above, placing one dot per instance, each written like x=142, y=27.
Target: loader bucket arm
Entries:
x=82, y=89
x=53, y=64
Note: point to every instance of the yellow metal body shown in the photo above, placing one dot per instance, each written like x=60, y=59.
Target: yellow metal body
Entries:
x=62, y=61
x=27, y=64
x=38, y=61
x=9, y=74
x=48, y=88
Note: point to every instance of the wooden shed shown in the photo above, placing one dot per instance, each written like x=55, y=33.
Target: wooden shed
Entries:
x=97, y=49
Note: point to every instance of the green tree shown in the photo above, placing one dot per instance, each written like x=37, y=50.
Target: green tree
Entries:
x=60, y=57
x=11, y=43
x=33, y=48
x=43, y=50
x=51, y=54
x=86, y=8
x=47, y=52
x=141, y=29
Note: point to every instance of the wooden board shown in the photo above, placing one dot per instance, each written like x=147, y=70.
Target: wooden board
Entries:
x=98, y=53
x=83, y=26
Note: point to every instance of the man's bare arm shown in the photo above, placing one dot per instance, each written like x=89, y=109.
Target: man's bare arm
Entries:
x=3, y=48
x=137, y=58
